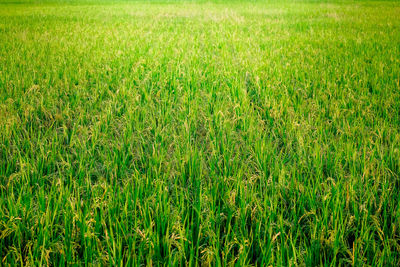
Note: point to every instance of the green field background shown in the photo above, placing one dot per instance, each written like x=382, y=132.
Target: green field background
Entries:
x=219, y=133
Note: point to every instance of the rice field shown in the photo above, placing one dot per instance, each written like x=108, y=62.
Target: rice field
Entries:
x=200, y=133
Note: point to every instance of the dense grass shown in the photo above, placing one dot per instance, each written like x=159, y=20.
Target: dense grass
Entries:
x=263, y=133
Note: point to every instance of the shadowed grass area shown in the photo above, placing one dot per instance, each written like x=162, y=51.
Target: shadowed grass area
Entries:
x=248, y=133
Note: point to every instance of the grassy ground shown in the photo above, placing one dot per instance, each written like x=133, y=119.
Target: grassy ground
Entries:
x=264, y=133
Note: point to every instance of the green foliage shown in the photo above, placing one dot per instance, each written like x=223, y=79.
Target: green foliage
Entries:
x=200, y=133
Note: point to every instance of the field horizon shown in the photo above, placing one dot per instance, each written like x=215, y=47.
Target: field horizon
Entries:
x=200, y=133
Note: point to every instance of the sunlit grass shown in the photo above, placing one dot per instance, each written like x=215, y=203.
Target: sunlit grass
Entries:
x=258, y=133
